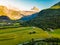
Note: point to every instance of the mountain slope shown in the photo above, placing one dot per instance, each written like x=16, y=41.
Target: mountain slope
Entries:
x=27, y=18
x=56, y=6
x=14, y=14
x=48, y=18
x=3, y=10
x=4, y=18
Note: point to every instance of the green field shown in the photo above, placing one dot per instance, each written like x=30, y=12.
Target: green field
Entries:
x=55, y=34
x=14, y=36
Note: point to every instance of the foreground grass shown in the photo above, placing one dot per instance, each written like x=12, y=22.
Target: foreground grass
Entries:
x=14, y=36
x=55, y=33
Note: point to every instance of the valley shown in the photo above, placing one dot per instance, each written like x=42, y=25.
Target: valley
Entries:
x=30, y=27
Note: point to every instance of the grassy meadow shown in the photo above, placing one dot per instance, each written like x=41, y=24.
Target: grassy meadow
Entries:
x=14, y=36
x=55, y=33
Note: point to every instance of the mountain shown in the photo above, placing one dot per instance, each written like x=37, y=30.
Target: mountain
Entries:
x=35, y=9
x=27, y=13
x=11, y=13
x=30, y=14
x=29, y=17
x=46, y=19
x=14, y=14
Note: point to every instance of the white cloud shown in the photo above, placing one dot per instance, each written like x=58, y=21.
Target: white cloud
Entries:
x=4, y=2
x=13, y=3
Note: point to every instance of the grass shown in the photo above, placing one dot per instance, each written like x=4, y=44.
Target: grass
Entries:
x=55, y=34
x=14, y=36
x=55, y=7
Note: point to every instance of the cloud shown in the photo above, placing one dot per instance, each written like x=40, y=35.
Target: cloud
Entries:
x=3, y=2
x=18, y=4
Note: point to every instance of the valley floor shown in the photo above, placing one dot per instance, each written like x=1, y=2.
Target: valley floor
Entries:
x=14, y=36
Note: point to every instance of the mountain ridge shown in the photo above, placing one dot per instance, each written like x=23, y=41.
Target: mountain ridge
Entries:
x=14, y=14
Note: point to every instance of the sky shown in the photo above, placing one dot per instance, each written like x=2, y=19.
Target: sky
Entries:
x=28, y=4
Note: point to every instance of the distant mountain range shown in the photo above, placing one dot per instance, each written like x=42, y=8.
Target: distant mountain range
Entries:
x=47, y=18
x=14, y=14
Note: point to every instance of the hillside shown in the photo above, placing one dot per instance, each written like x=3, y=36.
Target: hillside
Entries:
x=11, y=13
x=4, y=18
x=47, y=18
x=56, y=6
x=27, y=18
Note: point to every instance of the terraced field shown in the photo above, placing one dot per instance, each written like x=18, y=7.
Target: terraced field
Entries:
x=14, y=36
